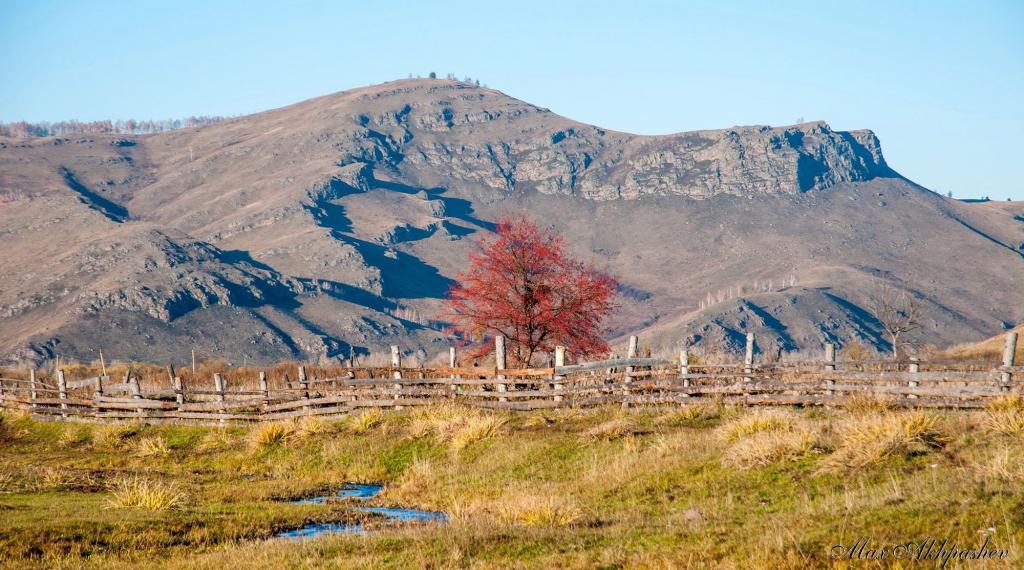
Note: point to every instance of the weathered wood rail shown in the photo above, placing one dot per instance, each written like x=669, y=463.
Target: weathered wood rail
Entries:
x=627, y=381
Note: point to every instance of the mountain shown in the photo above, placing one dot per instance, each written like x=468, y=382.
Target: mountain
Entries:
x=337, y=224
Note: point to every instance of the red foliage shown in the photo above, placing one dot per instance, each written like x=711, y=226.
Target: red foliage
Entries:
x=524, y=285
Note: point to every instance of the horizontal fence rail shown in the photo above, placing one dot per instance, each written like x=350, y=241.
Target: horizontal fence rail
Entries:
x=630, y=381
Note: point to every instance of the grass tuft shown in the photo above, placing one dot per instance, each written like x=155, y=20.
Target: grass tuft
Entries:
x=1006, y=421
x=365, y=421
x=612, y=429
x=135, y=492
x=312, y=427
x=74, y=435
x=767, y=447
x=267, y=435
x=861, y=403
x=1007, y=403
x=474, y=429
x=754, y=422
x=155, y=446
x=870, y=439
x=114, y=436
x=693, y=415
x=547, y=511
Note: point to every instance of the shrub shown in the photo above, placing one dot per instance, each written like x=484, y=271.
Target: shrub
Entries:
x=140, y=493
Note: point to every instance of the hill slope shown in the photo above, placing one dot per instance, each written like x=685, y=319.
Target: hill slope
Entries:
x=337, y=224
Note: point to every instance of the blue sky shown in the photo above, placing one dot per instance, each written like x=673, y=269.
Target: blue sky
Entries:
x=941, y=83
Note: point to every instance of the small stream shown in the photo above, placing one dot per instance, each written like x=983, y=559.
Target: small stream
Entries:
x=358, y=491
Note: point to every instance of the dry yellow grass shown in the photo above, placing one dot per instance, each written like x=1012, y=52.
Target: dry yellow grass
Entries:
x=538, y=510
x=612, y=429
x=754, y=422
x=215, y=439
x=459, y=426
x=1007, y=403
x=114, y=436
x=692, y=413
x=135, y=492
x=1006, y=422
x=74, y=435
x=312, y=426
x=861, y=403
x=268, y=435
x=415, y=480
x=870, y=439
x=365, y=421
x=767, y=447
x=474, y=429
x=155, y=446
x=988, y=349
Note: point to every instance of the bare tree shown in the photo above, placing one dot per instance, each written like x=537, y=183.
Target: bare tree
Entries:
x=898, y=311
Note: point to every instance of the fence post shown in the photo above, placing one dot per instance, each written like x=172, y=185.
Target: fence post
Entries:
x=62, y=392
x=830, y=366
x=97, y=397
x=748, y=359
x=396, y=364
x=559, y=379
x=304, y=386
x=451, y=364
x=499, y=364
x=265, y=388
x=631, y=352
x=218, y=384
x=634, y=345
x=179, y=392
x=915, y=367
x=684, y=367
x=136, y=390
x=32, y=387
x=1009, y=355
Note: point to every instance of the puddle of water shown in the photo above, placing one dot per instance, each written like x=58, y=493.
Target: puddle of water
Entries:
x=314, y=530
x=406, y=514
x=349, y=491
x=358, y=491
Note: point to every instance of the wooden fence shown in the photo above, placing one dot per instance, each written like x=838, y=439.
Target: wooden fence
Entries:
x=628, y=381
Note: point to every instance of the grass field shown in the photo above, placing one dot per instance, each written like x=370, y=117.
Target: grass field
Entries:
x=706, y=486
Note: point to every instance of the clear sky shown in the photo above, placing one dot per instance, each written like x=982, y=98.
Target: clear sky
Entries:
x=941, y=83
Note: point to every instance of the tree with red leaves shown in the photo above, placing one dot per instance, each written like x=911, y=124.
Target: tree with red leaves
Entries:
x=523, y=284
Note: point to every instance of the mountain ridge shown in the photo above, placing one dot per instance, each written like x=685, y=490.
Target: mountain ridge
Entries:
x=336, y=224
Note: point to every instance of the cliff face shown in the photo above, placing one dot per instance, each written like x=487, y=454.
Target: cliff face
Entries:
x=337, y=224
x=481, y=136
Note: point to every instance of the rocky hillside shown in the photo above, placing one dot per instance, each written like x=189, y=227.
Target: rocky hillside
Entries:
x=336, y=225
